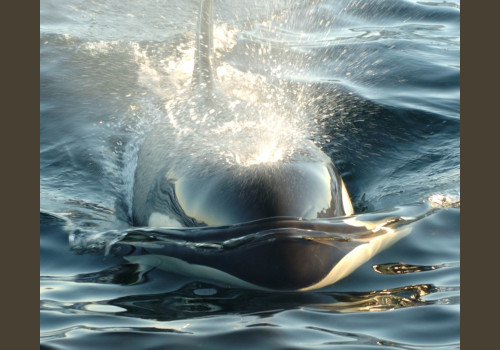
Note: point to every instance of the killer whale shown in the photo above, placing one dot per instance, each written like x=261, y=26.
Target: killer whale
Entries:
x=196, y=192
x=176, y=187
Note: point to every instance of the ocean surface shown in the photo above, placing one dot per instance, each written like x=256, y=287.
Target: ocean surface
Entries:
x=374, y=83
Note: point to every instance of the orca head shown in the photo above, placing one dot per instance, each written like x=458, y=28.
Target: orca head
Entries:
x=241, y=194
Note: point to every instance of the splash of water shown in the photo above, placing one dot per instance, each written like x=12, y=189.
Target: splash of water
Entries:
x=254, y=121
x=450, y=200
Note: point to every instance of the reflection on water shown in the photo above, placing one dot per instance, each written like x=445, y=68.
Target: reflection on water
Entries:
x=198, y=300
x=125, y=274
x=398, y=268
x=201, y=300
x=189, y=302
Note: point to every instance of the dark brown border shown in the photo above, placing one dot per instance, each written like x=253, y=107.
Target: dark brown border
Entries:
x=19, y=169
x=479, y=177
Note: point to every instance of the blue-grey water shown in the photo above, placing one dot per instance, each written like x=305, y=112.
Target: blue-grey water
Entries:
x=375, y=83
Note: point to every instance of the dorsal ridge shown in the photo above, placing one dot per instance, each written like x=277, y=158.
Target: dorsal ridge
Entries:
x=202, y=71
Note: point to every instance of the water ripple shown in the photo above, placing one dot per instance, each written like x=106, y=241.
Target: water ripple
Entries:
x=400, y=268
x=65, y=332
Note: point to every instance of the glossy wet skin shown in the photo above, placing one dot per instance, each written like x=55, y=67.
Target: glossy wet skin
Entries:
x=298, y=189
